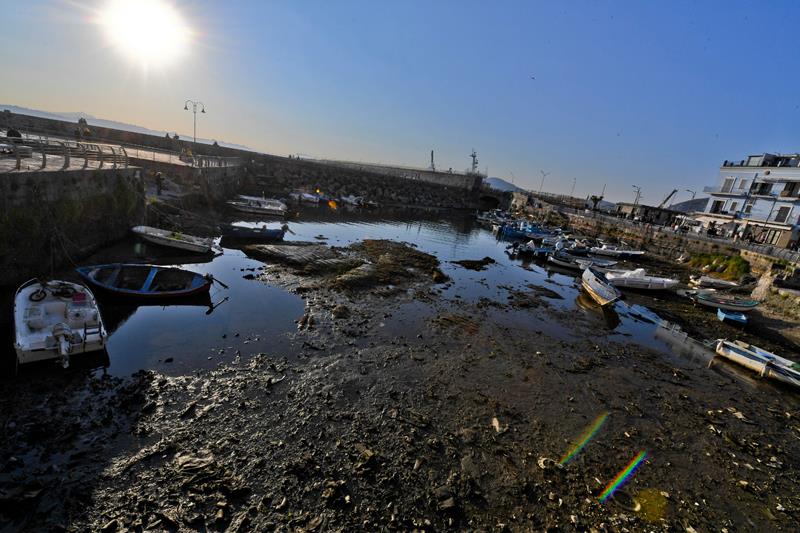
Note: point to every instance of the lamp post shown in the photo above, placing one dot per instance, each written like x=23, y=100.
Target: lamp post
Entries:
x=691, y=191
x=544, y=175
x=638, y=194
x=194, y=113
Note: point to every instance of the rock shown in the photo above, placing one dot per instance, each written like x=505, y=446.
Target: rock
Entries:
x=340, y=311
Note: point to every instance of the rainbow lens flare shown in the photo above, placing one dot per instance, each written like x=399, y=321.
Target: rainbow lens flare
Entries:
x=585, y=438
x=623, y=476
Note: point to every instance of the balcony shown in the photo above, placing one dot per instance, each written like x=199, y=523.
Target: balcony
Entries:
x=724, y=190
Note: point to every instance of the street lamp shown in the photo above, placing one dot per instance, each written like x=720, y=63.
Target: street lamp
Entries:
x=544, y=175
x=194, y=112
x=691, y=191
x=638, y=194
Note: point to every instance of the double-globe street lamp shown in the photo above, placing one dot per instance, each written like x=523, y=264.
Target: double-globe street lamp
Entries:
x=195, y=105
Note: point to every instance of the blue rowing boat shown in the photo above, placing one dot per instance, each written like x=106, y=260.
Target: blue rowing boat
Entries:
x=252, y=234
x=731, y=316
x=145, y=281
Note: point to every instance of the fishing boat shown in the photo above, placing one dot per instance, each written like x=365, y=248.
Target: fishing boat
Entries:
x=258, y=205
x=638, y=279
x=149, y=282
x=261, y=234
x=598, y=287
x=711, y=282
x=175, y=239
x=767, y=364
x=615, y=251
x=727, y=302
x=55, y=320
x=731, y=316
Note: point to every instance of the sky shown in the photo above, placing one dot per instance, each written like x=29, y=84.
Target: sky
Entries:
x=614, y=94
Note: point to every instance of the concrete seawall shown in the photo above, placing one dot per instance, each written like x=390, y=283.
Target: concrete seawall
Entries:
x=48, y=219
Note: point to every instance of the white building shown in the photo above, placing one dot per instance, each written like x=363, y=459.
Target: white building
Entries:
x=758, y=198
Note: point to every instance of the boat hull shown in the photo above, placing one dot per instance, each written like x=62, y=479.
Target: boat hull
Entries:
x=170, y=242
x=195, y=284
x=599, y=289
x=265, y=211
x=765, y=363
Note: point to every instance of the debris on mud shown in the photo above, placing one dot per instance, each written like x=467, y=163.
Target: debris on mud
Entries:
x=475, y=264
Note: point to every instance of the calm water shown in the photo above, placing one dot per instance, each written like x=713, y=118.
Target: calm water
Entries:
x=252, y=317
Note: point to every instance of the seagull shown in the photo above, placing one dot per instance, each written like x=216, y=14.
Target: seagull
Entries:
x=533, y=77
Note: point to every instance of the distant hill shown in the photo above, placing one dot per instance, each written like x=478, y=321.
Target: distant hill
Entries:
x=499, y=184
x=73, y=116
x=690, y=206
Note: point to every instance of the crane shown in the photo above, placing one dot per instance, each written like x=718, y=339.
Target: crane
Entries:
x=670, y=195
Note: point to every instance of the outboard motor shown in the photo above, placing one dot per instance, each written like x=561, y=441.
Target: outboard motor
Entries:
x=62, y=332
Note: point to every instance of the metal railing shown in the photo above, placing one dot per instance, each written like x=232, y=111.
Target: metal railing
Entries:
x=28, y=146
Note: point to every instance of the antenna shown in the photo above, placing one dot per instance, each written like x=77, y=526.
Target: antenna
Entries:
x=433, y=165
x=474, y=157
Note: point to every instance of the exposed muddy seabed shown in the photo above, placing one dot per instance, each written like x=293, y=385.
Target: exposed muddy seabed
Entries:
x=408, y=405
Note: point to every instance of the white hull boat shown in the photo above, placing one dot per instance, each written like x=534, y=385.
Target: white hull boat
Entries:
x=613, y=251
x=767, y=364
x=711, y=282
x=586, y=262
x=638, y=279
x=175, y=239
x=56, y=320
x=258, y=206
x=598, y=287
x=305, y=197
x=352, y=200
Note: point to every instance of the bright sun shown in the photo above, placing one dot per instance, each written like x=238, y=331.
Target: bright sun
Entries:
x=150, y=32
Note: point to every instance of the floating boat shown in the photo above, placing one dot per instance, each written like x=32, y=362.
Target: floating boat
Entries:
x=614, y=251
x=638, y=279
x=715, y=283
x=55, y=320
x=352, y=200
x=731, y=316
x=262, y=234
x=767, y=364
x=305, y=197
x=598, y=287
x=727, y=302
x=149, y=282
x=175, y=239
x=530, y=248
x=258, y=205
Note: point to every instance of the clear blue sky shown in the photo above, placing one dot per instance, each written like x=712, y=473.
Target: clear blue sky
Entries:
x=654, y=94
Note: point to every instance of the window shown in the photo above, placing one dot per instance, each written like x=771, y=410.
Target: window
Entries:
x=743, y=184
x=748, y=208
x=783, y=214
x=728, y=185
x=717, y=206
x=734, y=205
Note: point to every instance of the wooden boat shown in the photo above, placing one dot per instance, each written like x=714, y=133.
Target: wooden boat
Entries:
x=638, y=279
x=598, y=287
x=614, y=251
x=262, y=234
x=175, y=239
x=711, y=282
x=727, y=302
x=55, y=320
x=258, y=206
x=731, y=316
x=151, y=282
x=767, y=364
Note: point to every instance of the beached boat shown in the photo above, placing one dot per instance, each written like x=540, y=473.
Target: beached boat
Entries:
x=146, y=281
x=711, y=282
x=564, y=260
x=175, y=239
x=258, y=205
x=638, y=279
x=727, y=302
x=530, y=248
x=598, y=287
x=615, y=251
x=731, y=316
x=55, y=320
x=586, y=262
x=767, y=364
x=261, y=234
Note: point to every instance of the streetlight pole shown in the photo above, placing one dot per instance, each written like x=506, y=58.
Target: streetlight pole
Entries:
x=574, y=181
x=544, y=175
x=638, y=194
x=194, y=113
x=691, y=191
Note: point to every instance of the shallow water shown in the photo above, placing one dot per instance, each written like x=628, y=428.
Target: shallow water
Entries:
x=252, y=316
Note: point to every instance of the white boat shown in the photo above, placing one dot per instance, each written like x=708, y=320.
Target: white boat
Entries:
x=599, y=287
x=638, y=279
x=586, y=262
x=767, y=364
x=352, y=200
x=712, y=282
x=305, y=197
x=258, y=205
x=615, y=251
x=55, y=320
x=175, y=239
x=564, y=260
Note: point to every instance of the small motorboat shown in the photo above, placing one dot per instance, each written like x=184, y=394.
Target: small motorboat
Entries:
x=353, y=200
x=711, y=282
x=727, y=302
x=530, y=248
x=638, y=279
x=767, y=364
x=731, y=316
x=585, y=262
x=261, y=234
x=615, y=251
x=564, y=260
x=258, y=205
x=55, y=320
x=150, y=282
x=175, y=239
x=305, y=197
x=598, y=287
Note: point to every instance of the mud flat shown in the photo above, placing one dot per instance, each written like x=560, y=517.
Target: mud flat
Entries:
x=407, y=406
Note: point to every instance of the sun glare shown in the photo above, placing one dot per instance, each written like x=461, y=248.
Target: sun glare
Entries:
x=150, y=32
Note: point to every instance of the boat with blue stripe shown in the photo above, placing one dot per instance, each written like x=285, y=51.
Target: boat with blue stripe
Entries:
x=146, y=281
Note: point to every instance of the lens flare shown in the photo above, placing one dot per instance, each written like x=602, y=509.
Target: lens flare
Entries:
x=623, y=476
x=585, y=438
